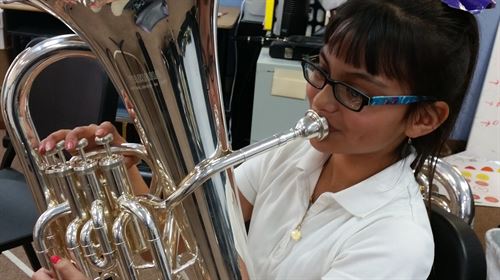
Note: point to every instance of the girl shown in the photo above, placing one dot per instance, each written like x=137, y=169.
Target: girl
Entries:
x=390, y=80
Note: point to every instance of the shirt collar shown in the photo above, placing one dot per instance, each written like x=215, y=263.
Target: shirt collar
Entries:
x=376, y=191
x=368, y=195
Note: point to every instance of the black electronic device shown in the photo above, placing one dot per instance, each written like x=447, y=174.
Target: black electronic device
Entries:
x=296, y=47
x=291, y=17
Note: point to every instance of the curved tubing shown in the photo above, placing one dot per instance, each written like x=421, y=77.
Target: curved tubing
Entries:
x=126, y=261
x=97, y=223
x=459, y=200
x=74, y=246
x=153, y=234
x=41, y=225
x=15, y=99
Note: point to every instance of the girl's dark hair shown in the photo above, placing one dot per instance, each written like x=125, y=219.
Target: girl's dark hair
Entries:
x=429, y=46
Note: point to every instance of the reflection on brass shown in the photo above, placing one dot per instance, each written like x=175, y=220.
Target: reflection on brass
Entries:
x=449, y=191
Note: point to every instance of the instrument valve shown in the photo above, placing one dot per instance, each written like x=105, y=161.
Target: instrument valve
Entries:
x=60, y=166
x=84, y=164
x=82, y=144
x=57, y=150
x=105, y=141
x=111, y=160
x=60, y=153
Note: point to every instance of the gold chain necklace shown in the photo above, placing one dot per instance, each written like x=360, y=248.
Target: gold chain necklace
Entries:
x=296, y=233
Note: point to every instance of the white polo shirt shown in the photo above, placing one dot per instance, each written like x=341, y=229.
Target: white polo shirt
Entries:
x=376, y=229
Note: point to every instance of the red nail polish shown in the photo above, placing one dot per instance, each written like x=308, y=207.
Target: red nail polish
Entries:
x=55, y=259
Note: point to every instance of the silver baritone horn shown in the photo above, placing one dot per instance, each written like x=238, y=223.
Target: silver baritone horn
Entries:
x=161, y=57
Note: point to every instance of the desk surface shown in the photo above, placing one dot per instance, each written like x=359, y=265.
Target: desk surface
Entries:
x=226, y=20
x=227, y=17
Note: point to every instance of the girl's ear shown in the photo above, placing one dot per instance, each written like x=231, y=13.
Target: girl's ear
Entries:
x=426, y=119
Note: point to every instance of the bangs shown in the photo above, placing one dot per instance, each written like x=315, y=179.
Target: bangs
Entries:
x=380, y=44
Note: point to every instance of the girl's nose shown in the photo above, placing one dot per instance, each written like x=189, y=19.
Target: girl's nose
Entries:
x=324, y=100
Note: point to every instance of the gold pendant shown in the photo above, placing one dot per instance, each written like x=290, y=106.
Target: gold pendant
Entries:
x=296, y=234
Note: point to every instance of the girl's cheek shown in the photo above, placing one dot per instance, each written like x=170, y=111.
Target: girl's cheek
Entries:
x=311, y=93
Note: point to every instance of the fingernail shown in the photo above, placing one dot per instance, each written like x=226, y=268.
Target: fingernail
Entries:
x=69, y=145
x=48, y=147
x=55, y=259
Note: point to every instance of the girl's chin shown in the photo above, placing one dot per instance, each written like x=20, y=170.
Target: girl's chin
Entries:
x=322, y=146
x=329, y=145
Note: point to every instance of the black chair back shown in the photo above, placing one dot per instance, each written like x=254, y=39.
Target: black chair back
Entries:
x=71, y=92
x=458, y=251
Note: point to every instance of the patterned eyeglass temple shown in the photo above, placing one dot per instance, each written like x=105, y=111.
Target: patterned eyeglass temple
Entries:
x=396, y=100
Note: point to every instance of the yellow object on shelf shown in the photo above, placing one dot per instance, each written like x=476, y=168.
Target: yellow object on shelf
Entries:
x=268, y=19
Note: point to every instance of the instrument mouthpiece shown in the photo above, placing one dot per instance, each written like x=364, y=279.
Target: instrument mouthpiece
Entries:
x=312, y=126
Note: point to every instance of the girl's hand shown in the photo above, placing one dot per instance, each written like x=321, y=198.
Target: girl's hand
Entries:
x=43, y=274
x=71, y=137
x=63, y=267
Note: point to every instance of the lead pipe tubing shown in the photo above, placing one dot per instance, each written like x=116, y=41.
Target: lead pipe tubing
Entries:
x=310, y=126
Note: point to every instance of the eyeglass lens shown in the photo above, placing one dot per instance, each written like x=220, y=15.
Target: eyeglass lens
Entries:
x=345, y=95
x=315, y=77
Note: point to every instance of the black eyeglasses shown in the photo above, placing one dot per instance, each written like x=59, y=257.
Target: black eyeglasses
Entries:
x=350, y=97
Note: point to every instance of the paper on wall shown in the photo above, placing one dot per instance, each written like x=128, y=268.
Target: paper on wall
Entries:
x=289, y=83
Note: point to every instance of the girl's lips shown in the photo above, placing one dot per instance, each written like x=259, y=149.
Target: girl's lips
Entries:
x=332, y=129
